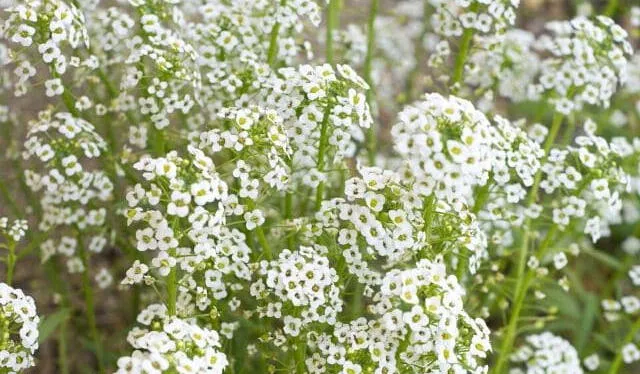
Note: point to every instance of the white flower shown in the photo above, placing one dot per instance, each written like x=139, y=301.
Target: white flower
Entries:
x=179, y=205
x=253, y=219
x=54, y=87
x=560, y=260
x=592, y=362
x=630, y=353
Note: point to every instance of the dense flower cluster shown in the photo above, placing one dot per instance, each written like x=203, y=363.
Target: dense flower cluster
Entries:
x=545, y=353
x=446, y=143
x=56, y=29
x=408, y=191
x=323, y=112
x=482, y=16
x=505, y=63
x=19, y=328
x=73, y=192
x=587, y=62
x=169, y=344
x=300, y=288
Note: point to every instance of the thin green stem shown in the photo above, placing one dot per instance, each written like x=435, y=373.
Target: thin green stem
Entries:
x=371, y=44
x=272, y=53
x=63, y=352
x=461, y=58
x=322, y=149
x=568, y=132
x=521, y=286
x=333, y=12
x=172, y=288
x=612, y=8
x=9, y=199
x=87, y=289
x=301, y=350
x=53, y=272
x=11, y=261
x=288, y=215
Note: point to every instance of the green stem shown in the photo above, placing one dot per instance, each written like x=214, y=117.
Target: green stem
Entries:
x=427, y=215
x=272, y=53
x=617, y=361
x=461, y=58
x=611, y=8
x=63, y=352
x=301, y=349
x=9, y=199
x=87, y=290
x=521, y=286
x=288, y=215
x=52, y=273
x=172, y=288
x=262, y=239
x=11, y=261
x=322, y=148
x=371, y=39
x=568, y=132
x=332, y=24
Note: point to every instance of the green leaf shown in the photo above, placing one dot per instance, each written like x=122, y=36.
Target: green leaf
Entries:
x=604, y=257
x=586, y=323
x=50, y=323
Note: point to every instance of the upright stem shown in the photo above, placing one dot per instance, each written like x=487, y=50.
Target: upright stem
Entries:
x=300, y=355
x=322, y=148
x=272, y=53
x=611, y=8
x=332, y=24
x=63, y=365
x=461, y=58
x=288, y=215
x=521, y=286
x=371, y=43
x=9, y=199
x=53, y=272
x=11, y=261
x=87, y=289
x=172, y=289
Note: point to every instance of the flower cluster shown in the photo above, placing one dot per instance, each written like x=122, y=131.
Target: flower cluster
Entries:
x=546, y=353
x=446, y=144
x=424, y=305
x=19, y=326
x=178, y=193
x=506, y=64
x=589, y=182
x=587, y=62
x=14, y=231
x=169, y=344
x=299, y=288
x=57, y=28
x=451, y=19
x=73, y=191
x=323, y=112
x=201, y=153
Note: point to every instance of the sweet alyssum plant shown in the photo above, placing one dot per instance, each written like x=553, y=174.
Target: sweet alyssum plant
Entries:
x=249, y=186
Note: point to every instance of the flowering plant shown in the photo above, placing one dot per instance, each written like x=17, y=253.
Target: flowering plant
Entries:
x=442, y=186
